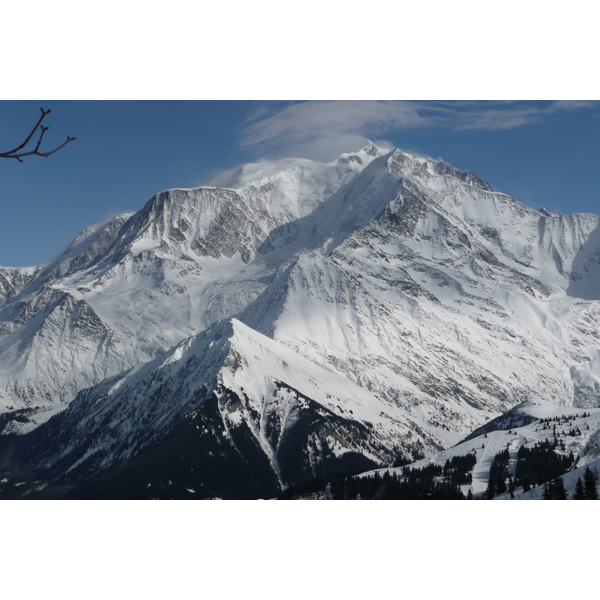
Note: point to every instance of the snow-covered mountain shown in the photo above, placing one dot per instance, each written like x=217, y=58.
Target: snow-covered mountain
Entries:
x=246, y=394
x=449, y=299
x=146, y=281
x=572, y=431
x=387, y=283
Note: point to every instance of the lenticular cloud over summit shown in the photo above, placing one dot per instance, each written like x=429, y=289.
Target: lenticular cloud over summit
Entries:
x=323, y=129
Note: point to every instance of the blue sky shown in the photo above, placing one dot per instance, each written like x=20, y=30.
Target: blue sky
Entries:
x=542, y=153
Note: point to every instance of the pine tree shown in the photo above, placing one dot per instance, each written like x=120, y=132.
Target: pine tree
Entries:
x=490, y=492
x=500, y=484
x=589, y=484
x=579, y=491
x=559, y=490
x=547, y=492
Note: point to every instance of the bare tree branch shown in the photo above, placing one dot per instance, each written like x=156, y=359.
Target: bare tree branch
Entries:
x=16, y=154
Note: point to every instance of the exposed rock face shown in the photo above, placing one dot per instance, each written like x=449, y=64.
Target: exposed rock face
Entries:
x=440, y=302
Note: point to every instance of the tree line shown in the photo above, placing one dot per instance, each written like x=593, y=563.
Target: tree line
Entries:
x=430, y=482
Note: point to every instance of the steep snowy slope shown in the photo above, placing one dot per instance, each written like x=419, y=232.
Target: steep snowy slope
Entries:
x=12, y=281
x=532, y=422
x=149, y=280
x=444, y=302
x=453, y=301
x=266, y=404
x=52, y=343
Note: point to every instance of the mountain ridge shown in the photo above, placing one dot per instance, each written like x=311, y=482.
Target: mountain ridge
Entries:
x=442, y=302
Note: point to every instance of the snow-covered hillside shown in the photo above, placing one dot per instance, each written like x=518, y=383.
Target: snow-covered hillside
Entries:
x=149, y=280
x=450, y=301
x=440, y=302
x=576, y=431
x=300, y=416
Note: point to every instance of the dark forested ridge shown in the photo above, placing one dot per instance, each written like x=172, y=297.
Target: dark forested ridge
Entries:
x=431, y=482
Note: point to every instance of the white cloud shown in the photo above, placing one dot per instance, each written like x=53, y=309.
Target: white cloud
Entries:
x=323, y=129
x=507, y=115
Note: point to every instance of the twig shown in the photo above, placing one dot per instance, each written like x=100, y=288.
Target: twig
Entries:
x=36, y=151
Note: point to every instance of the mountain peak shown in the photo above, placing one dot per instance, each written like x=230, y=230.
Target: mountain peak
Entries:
x=372, y=150
x=363, y=157
x=384, y=295
x=410, y=165
x=546, y=212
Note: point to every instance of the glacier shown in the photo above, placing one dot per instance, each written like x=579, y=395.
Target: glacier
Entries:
x=410, y=302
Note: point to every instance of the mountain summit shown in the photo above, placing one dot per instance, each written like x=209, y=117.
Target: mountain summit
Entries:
x=312, y=316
